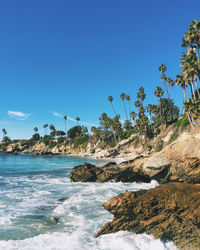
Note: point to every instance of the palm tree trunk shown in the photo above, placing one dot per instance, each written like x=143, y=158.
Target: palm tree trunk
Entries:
x=184, y=94
x=197, y=87
x=198, y=53
x=193, y=93
x=113, y=108
x=165, y=86
x=172, y=94
x=125, y=111
x=129, y=110
x=189, y=119
x=65, y=132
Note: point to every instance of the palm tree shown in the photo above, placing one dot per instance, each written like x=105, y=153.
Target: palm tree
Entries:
x=190, y=70
x=158, y=92
x=77, y=119
x=128, y=100
x=171, y=84
x=133, y=115
x=162, y=69
x=65, y=118
x=180, y=80
x=116, y=126
x=110, y=99
x=137, y=104
x=141, y=95
x=150, y=109
x=52, y=127
x=192, y=37
x=45, y=128
x=122, y=97
x=36, y=130
x=53, y=130
x=4, y=132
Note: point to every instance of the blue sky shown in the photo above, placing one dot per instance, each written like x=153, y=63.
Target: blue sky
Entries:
x=69, y=56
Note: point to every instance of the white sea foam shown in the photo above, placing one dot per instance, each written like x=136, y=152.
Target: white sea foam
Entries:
x=78, y=240
x=35, y=217
x=5, y=220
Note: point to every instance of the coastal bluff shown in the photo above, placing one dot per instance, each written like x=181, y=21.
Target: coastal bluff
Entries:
x=170, y=212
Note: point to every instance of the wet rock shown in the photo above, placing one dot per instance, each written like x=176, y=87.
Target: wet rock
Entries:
x=110, y=172
x=169, y=212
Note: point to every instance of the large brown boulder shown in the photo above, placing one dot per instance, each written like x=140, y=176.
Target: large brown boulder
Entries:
x=110, y=172
x=169, y=212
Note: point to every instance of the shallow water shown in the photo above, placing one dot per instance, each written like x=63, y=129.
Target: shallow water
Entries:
x=41, y=209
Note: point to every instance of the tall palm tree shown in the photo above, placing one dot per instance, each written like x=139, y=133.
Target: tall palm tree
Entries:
x=190, y=70
x=45, y=128
x=36, y=130
x=4, y=132
x=53, y=130
x=162, y=69
x=180, y=80
x=171, y=84
x=128, y=100
x=116, y=126
x=77, y=119
x=150, y=109
x=141, y=95
x=52, y=127
x=65, y=119
x=192, y=37
x=122, y=97
x=110, y=99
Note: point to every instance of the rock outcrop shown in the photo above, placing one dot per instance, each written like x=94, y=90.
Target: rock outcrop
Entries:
x=110, y=172
x=169, y=212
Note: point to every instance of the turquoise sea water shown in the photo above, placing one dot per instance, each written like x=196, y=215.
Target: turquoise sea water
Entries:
x=41, y=209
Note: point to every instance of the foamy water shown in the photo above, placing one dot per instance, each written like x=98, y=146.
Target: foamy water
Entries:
x=41, y=209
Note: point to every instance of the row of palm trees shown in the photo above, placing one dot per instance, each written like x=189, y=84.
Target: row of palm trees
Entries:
x=165, y=111
x=52, y=127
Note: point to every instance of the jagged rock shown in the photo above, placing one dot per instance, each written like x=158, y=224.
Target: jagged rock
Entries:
x=169, y=212
x=110, y=172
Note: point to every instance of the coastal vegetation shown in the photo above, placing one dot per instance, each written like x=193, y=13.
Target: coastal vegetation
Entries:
x=144, y=121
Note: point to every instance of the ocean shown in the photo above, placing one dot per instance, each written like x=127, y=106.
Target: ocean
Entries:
x=41, y=209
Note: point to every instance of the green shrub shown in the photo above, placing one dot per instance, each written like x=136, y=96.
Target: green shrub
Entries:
x=128, y=133
x=182, y=123
x=80, y=140
x=173, y=137
x=47, y=139
x=52, y=144
x=84, y=145
x=159, y=145
x=60, y=140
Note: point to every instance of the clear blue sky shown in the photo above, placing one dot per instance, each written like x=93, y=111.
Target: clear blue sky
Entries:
x=69, y=56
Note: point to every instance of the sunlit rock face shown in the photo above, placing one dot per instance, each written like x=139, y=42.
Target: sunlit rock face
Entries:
x=169, y=212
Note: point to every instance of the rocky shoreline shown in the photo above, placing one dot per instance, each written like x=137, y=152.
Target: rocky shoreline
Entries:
x=170, y=211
